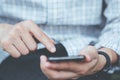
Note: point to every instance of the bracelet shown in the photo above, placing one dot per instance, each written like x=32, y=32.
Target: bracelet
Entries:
x=107, y=66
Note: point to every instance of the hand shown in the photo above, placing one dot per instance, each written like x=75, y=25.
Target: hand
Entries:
x=70, y=70
x=18, y=39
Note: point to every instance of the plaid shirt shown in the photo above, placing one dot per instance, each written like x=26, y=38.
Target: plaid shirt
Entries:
x=73, y=22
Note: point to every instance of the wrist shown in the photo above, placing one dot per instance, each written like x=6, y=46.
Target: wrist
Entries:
x=112, y=54
x=107, y=65
x=101, y=63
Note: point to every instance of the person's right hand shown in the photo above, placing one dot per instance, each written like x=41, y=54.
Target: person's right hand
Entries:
x=18, y=39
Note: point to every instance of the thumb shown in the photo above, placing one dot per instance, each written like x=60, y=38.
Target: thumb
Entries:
x=87, y=57
x=89, y=52
x=43, y=59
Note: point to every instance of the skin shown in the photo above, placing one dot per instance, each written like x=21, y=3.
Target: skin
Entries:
x=18, y=39
x=72, y=70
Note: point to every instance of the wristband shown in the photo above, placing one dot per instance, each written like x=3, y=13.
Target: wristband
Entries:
x=107, y=66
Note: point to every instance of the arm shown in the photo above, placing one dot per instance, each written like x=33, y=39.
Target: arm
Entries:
x=110, y=35
x=109, y=39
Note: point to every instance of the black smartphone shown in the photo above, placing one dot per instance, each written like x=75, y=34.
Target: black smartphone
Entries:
x=66, y=58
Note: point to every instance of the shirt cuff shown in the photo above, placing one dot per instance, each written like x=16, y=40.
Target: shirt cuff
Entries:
x=112, y=46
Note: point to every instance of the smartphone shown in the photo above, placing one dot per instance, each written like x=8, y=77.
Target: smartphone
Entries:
x=66, y=58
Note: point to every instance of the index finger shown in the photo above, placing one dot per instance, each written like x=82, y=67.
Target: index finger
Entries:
x=41, y=36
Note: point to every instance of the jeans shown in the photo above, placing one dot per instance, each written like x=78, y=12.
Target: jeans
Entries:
x=28, y=68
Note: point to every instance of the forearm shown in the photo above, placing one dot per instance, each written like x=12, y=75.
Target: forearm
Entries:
x=110, y=38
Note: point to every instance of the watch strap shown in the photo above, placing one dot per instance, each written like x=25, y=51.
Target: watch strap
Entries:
x=107, y=66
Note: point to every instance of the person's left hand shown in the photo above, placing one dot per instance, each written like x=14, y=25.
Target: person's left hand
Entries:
x=71, y=69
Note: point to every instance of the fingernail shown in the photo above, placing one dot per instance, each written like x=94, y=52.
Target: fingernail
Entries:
x=47, y=64
x=53, y=49
x=52, y=41
x=42, y=58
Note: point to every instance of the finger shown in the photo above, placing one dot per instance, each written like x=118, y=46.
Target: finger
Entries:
x=45, y=40
x=87, y=57
x=29, y=41
x=43, y=62
x=60, y=75
x=41, y=36
x=8, y=46
x=21, y=47
x=68, y=66
x=43, y=59
x=52, y=41
x=54, y=74
x=88, y=52
x=63, y=75
x=91, y=50
x=13, y=51
x=26, y=37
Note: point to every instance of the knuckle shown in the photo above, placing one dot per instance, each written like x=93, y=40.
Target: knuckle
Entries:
x=29, y=24
x=49, y=47
x=12, y=35
x=42, y=36
x=43, y=68
x=25, y=52
x=67, y=65
x=48, y=44
x=52, y=41
x=33, y=47
x=16, y=55
x=18, y=28
x=5, y=43
x=28, y=21
x=84, y=72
